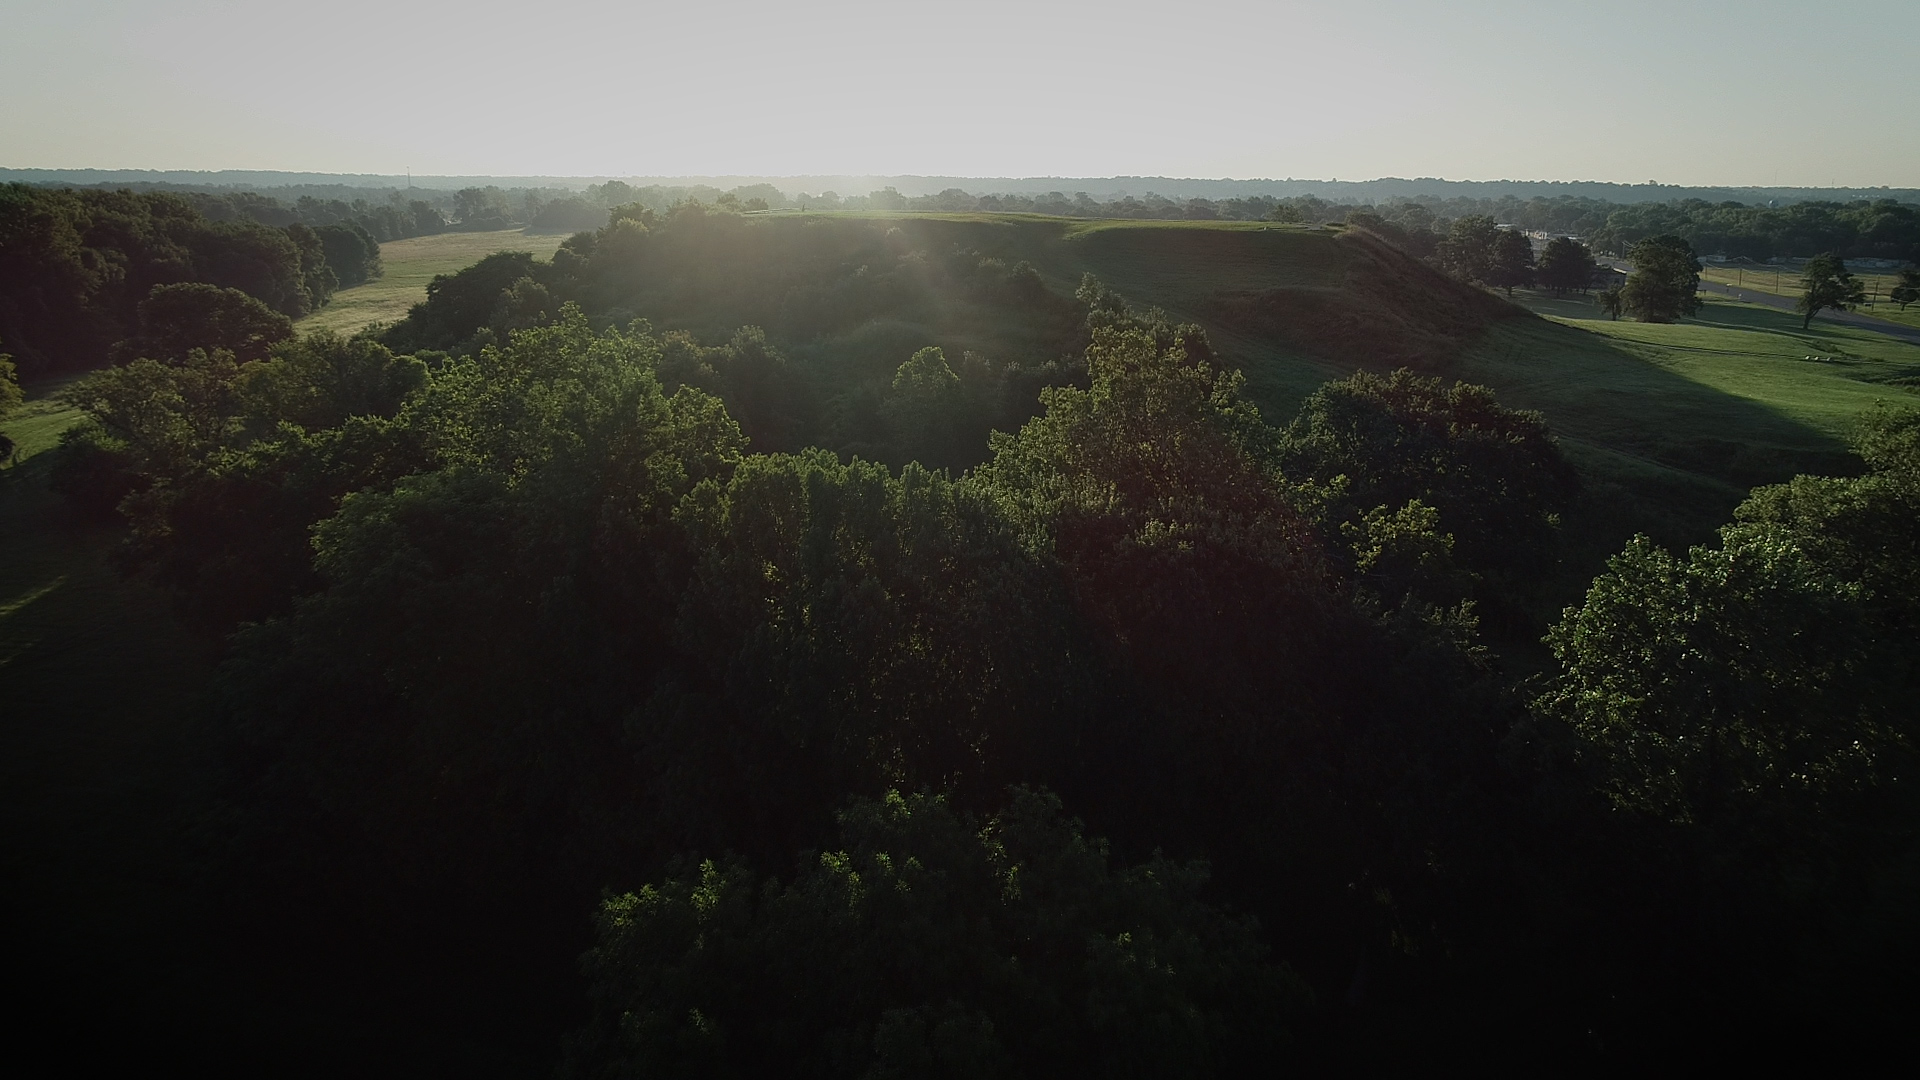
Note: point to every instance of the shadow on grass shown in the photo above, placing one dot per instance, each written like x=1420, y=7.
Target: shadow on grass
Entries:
x=1681, y=453
x=1570, y=306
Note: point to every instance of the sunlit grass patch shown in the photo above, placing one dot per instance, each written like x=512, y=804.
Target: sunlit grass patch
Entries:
x=412, y=264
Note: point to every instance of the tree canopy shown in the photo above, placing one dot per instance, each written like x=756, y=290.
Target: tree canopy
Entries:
x=1566, y=265
x=1827, y=283
x=1665, y=282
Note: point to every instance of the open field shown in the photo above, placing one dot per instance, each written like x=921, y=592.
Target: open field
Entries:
x=1684, y=418
x=1785, y=281
x=410, y=265
x=36, y=426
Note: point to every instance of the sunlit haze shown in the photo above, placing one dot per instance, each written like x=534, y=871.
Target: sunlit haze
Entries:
x=1679, y=91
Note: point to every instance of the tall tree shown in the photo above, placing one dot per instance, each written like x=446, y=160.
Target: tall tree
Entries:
x=1907, y=289
x=1495, y=475
x=1511, y=264
x=1468, y=250
x=1827, y=283
x=1566, y=265
x=177, y=319
x=1612, y=300
x=352, y=253
x=930, y=943
x=10, y=397
x=1666, y=280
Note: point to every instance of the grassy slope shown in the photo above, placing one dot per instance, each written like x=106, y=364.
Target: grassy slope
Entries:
x=1714, y=404
x=1673, y=424
x=1187, y=269
x=410, y=265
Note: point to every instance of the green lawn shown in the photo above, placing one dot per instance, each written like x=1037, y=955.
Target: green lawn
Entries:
x=1785, y=281
x=410, y=265
x=36, y=426
x=1675, y=423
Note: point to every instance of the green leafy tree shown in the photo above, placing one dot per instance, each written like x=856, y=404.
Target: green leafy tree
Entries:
x=929, y=943
x=10, y=395
x=482, y=208
x=461, y=304
x=526, y=303
x=177, y=319
x=10, y=399
x=75, y=266
x=1154, y=489
x=1665, y=283
x=1612, y=300
x=930, y=411
x=1510, y=263
x=844, y=628
x=317, y=278
x=1494, y=476
x=351, y=253
x=1766, y=672
x=1716, y=679
x=1907, y=289
x=1468, y=250
x=1566, y=265
x=169, y=417
x=1827, y=283
x=570, y=214
x=772, y=402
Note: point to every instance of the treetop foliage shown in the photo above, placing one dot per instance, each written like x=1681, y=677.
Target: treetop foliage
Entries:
x=1665, y=281
x=582, y=606
x=76, y=268
x=931, y=943
x=1828, y=284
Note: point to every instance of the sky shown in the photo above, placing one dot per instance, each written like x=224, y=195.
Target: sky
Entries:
x=1694, y=92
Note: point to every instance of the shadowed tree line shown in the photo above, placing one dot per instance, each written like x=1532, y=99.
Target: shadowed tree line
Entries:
x=83, y=271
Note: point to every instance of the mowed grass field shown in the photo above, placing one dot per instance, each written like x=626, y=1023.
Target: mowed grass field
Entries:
x=1785, y=281
x=410, y=265
x=1674, y=423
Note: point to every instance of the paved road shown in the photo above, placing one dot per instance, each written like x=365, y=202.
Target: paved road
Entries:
x=1786, y=303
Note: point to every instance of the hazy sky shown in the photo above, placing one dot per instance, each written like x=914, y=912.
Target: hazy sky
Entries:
x=1811, y=92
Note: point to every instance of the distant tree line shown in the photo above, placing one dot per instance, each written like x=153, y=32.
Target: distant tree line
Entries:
x=1882, y=228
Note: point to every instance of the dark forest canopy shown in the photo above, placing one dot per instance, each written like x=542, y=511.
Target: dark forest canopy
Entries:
x=538, y=610
x=77, y=268
x=755, y=644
